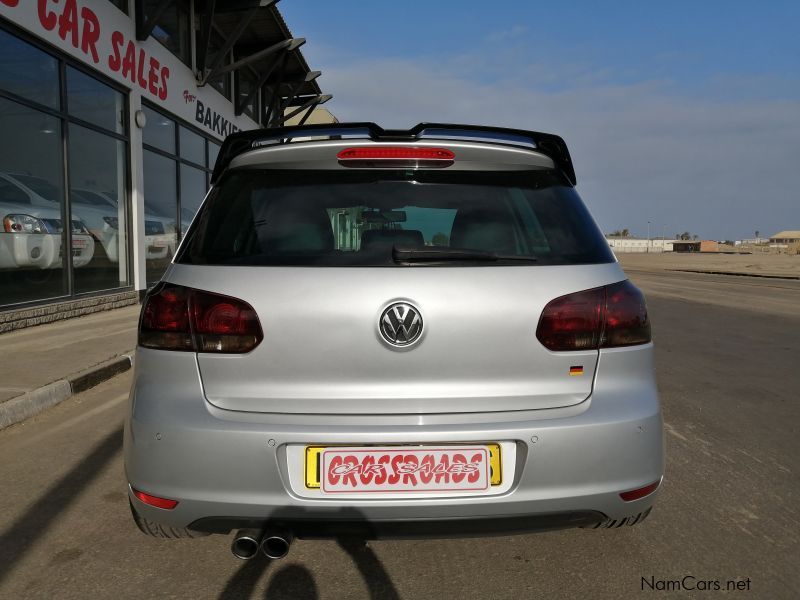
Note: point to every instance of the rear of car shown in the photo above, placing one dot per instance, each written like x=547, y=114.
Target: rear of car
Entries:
x=373, y=333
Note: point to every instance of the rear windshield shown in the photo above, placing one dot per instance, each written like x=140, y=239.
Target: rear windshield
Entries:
x=393, y=218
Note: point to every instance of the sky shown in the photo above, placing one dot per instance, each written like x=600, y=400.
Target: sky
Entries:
x=682, y=114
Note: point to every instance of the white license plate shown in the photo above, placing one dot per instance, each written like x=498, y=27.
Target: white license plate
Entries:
x=78, y=243
x=405, y=469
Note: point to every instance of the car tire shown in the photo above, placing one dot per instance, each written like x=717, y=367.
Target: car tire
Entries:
x=157, y=530
x=629, y=521
x=38, y=276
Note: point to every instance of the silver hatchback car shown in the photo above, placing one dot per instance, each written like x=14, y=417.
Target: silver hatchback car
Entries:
x=392, y=333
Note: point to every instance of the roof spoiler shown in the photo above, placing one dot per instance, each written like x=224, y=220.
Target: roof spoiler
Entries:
x=545, y=143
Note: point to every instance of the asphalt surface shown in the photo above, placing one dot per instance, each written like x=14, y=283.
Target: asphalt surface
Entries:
x=727, y=359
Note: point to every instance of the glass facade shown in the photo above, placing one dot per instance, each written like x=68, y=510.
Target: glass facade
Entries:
x=221, y=83
x=64, y=160
x=246, y=85
x=160, y=206
x=177, y=167
x=28, y=72
x=174, y=26
x=66, y=188
x=97, y=186
x=95, y=102
x=121, y=4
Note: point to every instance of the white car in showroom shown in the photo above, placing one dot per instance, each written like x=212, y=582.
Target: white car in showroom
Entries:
x=30, y=236
x=99, y=212
x=159, y=231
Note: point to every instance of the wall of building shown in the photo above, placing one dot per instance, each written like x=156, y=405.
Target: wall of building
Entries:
x=709, y=246
x=628, y=245
x=318, y=116
x=99, y=35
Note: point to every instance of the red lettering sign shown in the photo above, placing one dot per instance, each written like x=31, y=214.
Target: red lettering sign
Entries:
x=133, y=65
x=405, y=469
x=47, y=18
x=79, y=26
x=68, y=22
x=90, y=34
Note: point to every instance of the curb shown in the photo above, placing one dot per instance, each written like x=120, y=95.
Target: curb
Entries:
x=737, y=274
x=32, y=403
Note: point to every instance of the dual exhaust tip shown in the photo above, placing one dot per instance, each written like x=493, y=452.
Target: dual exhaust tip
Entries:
x=273, y=543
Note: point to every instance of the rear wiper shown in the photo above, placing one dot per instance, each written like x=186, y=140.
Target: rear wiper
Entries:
x=403, y=254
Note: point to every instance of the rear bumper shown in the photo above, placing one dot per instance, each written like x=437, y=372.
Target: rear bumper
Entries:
x=229, y=469
x=355, y=526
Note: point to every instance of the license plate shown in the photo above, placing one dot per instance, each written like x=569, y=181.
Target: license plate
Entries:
x=159, y=244
x=78, y=243
x=408, y=469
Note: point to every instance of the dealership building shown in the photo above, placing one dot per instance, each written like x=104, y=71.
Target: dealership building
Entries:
x=112, y=114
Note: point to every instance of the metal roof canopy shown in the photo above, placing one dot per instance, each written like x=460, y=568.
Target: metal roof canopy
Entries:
x=262, y=46
x=545, y=143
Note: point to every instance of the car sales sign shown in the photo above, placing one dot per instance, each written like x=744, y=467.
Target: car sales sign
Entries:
x=104, y=38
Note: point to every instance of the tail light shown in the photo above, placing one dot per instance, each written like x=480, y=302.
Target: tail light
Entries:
x=604, y=317
x=181, y=318
x=395, y=156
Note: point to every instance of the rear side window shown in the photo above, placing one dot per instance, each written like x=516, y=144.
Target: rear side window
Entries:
x=359, y=217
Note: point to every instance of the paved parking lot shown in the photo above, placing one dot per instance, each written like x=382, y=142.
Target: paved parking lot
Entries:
x=727, y=356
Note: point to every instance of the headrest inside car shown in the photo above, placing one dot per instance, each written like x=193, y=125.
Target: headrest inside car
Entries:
x=373, y=239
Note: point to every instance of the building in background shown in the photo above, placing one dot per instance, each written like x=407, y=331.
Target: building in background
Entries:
x=696, y=246
x=752, y=241
x=626, y=244
x=784, y=239
x=112, y=113
x=318, y=116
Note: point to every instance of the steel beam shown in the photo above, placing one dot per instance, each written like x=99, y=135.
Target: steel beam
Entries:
x=144, y=24
x=232, y=38
x=309, y=110
x=207, y=24
x=295, y=87
x=311, y=104
x=275, y=97
x=287, y=45
x=239, y=105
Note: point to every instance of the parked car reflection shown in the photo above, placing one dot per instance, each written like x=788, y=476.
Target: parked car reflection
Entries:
x=159, y=231
x=31, y=237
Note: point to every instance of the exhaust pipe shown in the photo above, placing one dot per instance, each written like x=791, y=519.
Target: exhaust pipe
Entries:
x=246, y=543
x=275, y=543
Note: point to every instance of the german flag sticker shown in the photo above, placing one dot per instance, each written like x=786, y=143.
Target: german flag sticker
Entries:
x=576, y=370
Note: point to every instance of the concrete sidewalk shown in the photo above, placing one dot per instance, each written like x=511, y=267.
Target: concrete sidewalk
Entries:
x=44, y=365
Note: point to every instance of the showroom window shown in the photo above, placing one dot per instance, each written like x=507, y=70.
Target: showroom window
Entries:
x=246, y=83
x=221, y=83
x=121, y=4
x=174, y=26
x=47, y=106
x=177, y=168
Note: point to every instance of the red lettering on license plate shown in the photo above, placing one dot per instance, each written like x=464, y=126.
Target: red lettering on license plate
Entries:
x=405, y=470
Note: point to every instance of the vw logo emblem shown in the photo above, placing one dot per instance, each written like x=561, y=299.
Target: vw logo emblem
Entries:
x=400, y=324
